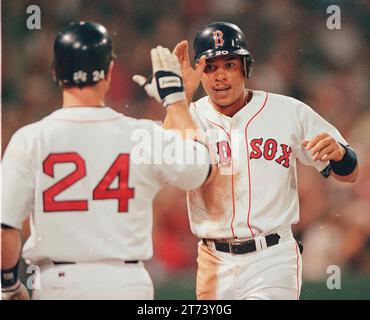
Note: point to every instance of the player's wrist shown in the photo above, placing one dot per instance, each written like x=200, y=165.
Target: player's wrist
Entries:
x=189, y=94
x=9, y=277
x=343, y=152
x=12, y=288
x=174, y=98
x=347, y=164
x=177, y=106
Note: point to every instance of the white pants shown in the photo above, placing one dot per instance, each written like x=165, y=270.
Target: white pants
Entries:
x=92, y=281
x=269, y=273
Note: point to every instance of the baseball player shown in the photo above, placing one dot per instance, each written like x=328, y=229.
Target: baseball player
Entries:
x=244, y=213
x=77, y=175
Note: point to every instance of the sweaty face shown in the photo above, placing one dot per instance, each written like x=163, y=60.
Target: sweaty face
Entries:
x=223, y=80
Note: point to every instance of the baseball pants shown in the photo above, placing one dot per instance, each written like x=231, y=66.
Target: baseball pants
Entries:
x=270, y=273
x=94, y=281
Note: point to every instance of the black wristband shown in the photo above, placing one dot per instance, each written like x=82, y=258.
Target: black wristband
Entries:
x=9, y=277
x=348, y=163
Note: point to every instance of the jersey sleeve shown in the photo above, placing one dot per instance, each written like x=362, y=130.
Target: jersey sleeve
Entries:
x=182, y=163
x=313, y=124
x=17, y=182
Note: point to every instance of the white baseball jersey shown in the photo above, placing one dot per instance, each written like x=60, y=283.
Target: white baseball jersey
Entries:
x=260, y=145
x=79, y=172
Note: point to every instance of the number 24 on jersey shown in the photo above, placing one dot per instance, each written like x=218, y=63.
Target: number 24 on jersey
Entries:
x=119, y=168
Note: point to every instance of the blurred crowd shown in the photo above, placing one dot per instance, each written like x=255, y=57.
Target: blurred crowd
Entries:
x=295, y=54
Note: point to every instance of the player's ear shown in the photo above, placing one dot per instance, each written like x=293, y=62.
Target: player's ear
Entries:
x=110, y=71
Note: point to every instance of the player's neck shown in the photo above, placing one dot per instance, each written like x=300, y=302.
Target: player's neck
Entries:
x=86, y=97
x=233, y=108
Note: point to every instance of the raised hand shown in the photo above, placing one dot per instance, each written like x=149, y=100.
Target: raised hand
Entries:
x=191, y=76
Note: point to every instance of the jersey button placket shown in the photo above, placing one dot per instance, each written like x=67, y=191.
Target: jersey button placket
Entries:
x=231, y=123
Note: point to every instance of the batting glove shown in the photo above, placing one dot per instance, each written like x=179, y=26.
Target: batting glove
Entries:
x=166, y=86
x=16, y=292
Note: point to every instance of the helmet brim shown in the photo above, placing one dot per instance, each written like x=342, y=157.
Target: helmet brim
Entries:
x=212, y=53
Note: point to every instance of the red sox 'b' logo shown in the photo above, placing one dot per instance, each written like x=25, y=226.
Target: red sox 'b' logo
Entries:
x=218, y=36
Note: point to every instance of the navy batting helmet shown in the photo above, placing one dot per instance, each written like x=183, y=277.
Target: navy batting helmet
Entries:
x=82, y=54
x=222, y=38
